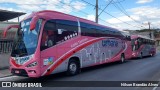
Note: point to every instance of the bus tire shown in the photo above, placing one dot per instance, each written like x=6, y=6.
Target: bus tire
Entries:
x=141, y=55
x=151, y=54
x=122, y=58
x=73, y=67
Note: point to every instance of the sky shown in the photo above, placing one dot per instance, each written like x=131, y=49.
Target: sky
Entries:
x=120, y=14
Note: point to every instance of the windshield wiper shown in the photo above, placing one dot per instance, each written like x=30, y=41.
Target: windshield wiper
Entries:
x=22, y=54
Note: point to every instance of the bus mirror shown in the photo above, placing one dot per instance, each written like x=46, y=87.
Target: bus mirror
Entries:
x=9, y=27
x=60, y=31
x=33, y=23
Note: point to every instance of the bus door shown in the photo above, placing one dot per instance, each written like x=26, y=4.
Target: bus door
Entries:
x=48, y=42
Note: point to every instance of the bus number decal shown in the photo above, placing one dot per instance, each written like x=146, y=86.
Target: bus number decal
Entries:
x=109, y=43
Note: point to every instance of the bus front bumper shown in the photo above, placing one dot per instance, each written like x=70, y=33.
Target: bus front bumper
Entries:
x=25, y=72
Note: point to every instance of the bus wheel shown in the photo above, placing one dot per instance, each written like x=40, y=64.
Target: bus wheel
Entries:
x=141, y=55
x=122, y=58
x=73, y=67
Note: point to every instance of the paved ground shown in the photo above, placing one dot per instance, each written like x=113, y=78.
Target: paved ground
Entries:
x=146, y=69
x=4, y=73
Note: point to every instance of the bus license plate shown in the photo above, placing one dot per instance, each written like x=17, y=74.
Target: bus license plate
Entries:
x=17, y=71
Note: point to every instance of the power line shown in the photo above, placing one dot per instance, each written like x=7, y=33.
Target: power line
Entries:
x=124, y=12
x=110, y=14
x=88, y=14
x=103, y=4
x=114, y=2
x=85, y=12
x=105, y=8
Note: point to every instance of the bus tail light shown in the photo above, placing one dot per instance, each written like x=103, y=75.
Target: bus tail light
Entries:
x=32, y=64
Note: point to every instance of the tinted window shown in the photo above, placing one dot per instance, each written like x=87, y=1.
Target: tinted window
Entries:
x=97, y=31
x=68, y=31
x=58, y=31
x=49, y=35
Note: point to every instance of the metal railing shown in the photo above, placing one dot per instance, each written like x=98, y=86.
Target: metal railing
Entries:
x=6, y=46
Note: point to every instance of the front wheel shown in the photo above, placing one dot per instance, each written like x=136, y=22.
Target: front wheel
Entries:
x=73, y=67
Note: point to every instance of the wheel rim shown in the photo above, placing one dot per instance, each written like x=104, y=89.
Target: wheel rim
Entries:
x=122, y=58
x=73, y=67
x=141, y=55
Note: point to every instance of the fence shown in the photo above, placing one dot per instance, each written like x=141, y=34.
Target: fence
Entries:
x=6, y=46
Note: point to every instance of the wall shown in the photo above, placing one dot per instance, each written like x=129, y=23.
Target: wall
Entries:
x=6, y=44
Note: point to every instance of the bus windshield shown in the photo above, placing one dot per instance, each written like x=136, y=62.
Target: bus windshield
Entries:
x=26, y=40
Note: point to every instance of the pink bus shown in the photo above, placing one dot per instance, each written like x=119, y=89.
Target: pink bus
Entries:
x=128, y=48
x=50, y=42
x=142, y=46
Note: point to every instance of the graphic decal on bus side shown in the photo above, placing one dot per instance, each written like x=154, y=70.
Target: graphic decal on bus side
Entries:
x=110, y=43
x=78, y=48
x=48, y=61
x=70, y=53
x=101, y=51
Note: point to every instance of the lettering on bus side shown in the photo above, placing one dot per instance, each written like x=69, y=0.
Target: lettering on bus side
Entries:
x=109, y=43
x=79, y=42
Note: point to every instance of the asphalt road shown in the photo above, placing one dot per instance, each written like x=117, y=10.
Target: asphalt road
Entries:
x=146, y=69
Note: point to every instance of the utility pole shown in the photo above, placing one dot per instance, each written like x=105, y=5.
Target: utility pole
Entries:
x=96, y=11
x=149, y=24
x=18, y=19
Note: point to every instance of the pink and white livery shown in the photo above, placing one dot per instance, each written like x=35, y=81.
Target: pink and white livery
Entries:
x=142, y=46
x=50, y=42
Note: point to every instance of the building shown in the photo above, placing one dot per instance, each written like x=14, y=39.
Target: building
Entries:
x=157, y=37
x=10, y=34
x=153, y=34
x=6, y=42
x=4, y=17
x=147, y=33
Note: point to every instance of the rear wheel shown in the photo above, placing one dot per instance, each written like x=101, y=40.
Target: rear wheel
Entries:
x=122, y=58
x=141, y=55
x=152, y=54
x=73, y=67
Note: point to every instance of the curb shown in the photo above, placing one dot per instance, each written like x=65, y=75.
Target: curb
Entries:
x=4, y=68
x=6, y=76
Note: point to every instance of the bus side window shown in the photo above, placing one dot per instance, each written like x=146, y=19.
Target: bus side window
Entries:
x=67, y=32
x=49, y=35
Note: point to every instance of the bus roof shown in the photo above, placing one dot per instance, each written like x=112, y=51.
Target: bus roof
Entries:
x=137, y=36
x=125, y=33
x=48, y=14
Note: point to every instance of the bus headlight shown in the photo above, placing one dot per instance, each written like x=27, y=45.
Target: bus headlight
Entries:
x=32, y=64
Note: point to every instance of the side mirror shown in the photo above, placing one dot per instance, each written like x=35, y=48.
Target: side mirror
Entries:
x=9, y=27
x=33, y=23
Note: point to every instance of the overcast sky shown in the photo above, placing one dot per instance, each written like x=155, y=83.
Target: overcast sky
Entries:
x=121, y=14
